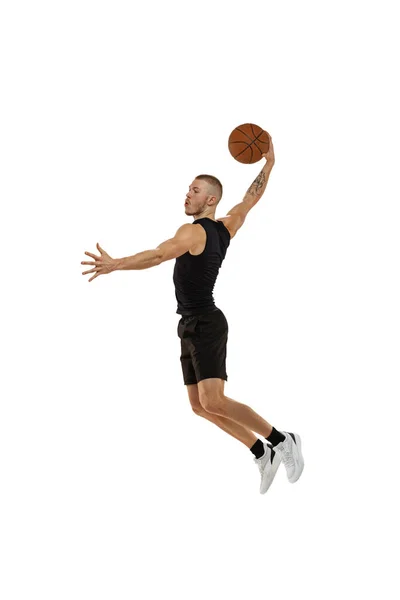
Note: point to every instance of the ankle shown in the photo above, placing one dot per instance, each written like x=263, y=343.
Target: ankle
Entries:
x=275, y=437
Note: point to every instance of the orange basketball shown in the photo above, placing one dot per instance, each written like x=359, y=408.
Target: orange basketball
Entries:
x=247, y=143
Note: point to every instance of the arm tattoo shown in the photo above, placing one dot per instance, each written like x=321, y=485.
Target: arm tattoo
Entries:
x=257, y=185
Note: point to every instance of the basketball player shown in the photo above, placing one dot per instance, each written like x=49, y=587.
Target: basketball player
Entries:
x=199, y=249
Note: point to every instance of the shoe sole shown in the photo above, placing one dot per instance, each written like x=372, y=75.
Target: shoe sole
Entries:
x=301, y=460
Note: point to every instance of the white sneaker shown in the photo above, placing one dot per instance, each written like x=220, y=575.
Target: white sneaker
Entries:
x=268, y=465
x=290, y=453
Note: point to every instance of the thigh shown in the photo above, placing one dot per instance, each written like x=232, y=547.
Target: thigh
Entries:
x=210, y=347
x=188, y=372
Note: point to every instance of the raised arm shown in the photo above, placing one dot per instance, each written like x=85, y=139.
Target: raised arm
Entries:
x=236, y=216
x=258, y=186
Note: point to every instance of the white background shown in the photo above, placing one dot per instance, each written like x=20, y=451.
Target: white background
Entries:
x=111, y=487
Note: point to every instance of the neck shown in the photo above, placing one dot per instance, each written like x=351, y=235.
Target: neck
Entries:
x=205, y=216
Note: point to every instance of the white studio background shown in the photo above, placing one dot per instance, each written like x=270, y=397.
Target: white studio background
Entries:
x=110, y=486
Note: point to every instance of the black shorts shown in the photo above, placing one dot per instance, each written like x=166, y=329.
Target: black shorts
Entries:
x=203, y=346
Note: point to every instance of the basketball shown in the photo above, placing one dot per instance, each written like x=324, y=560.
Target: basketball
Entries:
x=247, y=143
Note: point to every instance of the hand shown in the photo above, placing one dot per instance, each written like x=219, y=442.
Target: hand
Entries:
x=270, y=156
x=104, y=263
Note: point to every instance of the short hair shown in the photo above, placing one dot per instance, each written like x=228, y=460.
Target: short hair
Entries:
x=214, y=183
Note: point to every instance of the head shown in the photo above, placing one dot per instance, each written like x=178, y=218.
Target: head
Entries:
x=203, y=196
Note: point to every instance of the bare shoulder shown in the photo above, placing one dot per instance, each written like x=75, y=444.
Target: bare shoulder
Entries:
x=192, y=232
x=185, y=239
x=186, y=231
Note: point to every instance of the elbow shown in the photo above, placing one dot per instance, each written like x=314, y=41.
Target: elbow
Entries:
x=158, y=257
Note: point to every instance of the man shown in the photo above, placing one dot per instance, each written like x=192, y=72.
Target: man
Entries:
x=199, y=250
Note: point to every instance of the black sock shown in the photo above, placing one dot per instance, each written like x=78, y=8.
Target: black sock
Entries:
x=275, y=437
x=258, y=449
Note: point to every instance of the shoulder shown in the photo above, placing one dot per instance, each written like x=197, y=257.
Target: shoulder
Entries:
x=191, y=231
x=184, y=229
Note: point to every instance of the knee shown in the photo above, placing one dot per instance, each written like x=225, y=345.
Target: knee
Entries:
x=213, y=404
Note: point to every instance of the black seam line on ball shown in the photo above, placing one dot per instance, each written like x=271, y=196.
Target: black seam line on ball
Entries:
x=248, y=145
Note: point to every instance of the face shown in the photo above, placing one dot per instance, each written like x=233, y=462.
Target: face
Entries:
x=197, y=197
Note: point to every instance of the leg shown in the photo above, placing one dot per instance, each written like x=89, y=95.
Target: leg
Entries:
x=214, y=401
x=203, y=350
x=237, y=431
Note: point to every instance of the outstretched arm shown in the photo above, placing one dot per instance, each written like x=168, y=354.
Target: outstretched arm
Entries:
x=183, y=241
x=139, y=261
x=104, y=263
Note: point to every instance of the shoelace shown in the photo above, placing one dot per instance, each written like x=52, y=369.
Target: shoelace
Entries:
x=287, y=456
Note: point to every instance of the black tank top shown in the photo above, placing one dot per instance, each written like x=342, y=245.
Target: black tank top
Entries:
x=195, y=276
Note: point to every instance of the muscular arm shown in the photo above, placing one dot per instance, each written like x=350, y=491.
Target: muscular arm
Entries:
x=139, y=261
x=258, y=186
x=236, y=216
x=183, y=240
